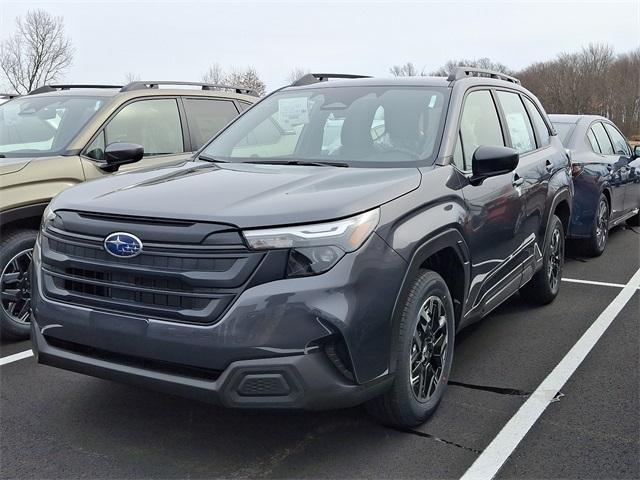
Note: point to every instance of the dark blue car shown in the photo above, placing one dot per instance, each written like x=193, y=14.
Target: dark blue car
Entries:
x=606, y=177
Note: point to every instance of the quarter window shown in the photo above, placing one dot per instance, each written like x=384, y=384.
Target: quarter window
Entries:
x=603, y=139
x=518, y=123
x=207, y=117
x=154, y=124
x=538, y=122
x=619, y=143
x=480, y=125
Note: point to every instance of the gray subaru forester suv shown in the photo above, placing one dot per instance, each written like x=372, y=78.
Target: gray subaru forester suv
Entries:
x=322, y=251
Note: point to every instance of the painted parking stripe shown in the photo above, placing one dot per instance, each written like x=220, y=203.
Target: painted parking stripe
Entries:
x=489, y=462
x=593, y=282
x=15, y=357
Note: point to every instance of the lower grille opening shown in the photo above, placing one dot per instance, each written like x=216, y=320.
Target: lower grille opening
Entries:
x=133, y=361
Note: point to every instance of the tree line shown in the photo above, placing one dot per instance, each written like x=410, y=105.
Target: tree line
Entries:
x=594, y=80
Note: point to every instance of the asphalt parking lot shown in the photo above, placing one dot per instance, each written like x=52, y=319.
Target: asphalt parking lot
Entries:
x=56, y=424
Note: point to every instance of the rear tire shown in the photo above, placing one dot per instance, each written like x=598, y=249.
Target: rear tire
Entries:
x=15, y=258
x=545, y=284
x=424, y=352
x=596, y=244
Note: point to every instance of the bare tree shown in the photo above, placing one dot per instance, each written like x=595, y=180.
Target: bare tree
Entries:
x=406, y=70
x=214, y=74
x=37, y=53
x=297, y=73
x=248, y=78
x=484, y=62
x=131, y=77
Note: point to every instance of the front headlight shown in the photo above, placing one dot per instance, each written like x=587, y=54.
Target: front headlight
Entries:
x=316, y=248
x=47, y=217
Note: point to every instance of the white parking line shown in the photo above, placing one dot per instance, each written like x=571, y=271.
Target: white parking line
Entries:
x=593, y=282
x=15, y=357
x=502, y=446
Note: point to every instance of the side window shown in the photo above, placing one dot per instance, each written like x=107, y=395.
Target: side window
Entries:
x=480, y=125
x=96, y=148
x=518, y=123
x=244, y=105
x=538, y=122
x=603, y=139
x=154, y=124
x=207, y=117
x=620, y=146
x=593, y=141
x=458, y=157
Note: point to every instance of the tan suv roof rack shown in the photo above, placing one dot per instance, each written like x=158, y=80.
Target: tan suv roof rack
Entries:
x=144, y=84
x=464, y=72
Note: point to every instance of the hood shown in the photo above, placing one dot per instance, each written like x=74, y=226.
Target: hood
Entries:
x=12, y=165
x=241, y=194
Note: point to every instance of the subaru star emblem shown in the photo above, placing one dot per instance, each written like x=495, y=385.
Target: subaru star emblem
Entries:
x=122, y=244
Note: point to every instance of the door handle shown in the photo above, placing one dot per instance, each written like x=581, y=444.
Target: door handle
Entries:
x=517, y=180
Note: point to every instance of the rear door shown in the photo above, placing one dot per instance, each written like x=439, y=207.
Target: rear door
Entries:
x=155, y=123
x=617, y=167
x=628, y=167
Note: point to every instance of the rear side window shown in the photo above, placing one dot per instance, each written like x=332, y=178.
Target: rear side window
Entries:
x=480, y=125
x=154, y=124
x=538, y=123
x=603, y=139
x=518, y=123
x=591, y=137
x=207, y=117
x=619, y=143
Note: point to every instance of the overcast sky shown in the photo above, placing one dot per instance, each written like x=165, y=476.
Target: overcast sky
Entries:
x=178, y=40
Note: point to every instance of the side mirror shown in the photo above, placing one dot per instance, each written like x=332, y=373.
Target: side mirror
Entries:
x=636, y=151
x=489, y=161
x=120, y=153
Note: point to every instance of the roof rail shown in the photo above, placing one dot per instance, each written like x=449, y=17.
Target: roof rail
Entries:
x=311, y=78
x=53, y=88
x=9, y=96
x=463, y=72
x=144, y=84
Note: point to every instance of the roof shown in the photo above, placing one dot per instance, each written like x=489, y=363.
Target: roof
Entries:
x=149, y=92
x=568, y=118
x=379, y=82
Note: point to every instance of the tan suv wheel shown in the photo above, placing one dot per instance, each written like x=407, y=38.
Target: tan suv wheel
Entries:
x=15, y=292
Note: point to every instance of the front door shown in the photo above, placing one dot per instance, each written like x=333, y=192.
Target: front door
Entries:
x=153, y=123
x=497, y=209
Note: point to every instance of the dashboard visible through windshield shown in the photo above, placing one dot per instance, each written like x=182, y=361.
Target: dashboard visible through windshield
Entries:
x=386, y=126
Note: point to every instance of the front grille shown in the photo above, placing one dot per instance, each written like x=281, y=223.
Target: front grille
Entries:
x=183, y=279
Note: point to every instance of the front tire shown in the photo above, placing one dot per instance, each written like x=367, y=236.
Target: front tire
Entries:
x=424, y=352
x=15, y=292
x=545, y=284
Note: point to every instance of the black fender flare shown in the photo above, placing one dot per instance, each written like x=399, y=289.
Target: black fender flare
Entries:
x=449, y=237
x=26, y=212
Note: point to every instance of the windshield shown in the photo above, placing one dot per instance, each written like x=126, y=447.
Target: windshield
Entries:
x=41, y=126
x=564, y=131
x=386, y=126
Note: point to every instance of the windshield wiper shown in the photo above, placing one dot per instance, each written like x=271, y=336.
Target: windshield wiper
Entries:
x=207, y=158
x=299, y=162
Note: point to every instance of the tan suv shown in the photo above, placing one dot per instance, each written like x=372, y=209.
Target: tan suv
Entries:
x=61, y=135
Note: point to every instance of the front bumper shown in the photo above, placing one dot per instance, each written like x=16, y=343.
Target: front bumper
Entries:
x=266, y=351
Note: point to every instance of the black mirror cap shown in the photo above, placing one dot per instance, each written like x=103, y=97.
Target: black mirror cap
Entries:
x=489, y=161
x=121, y=153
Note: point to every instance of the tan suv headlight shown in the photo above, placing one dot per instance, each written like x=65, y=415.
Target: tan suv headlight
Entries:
x=318, y=247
